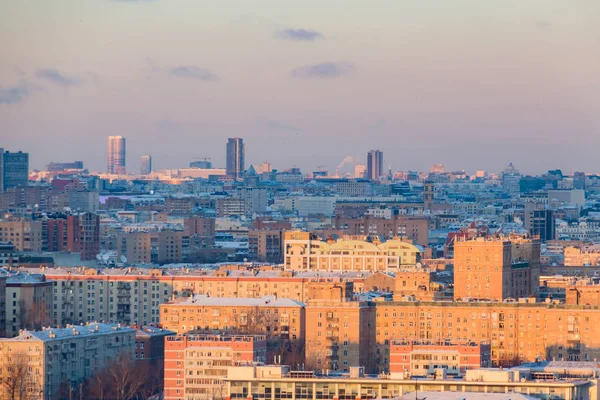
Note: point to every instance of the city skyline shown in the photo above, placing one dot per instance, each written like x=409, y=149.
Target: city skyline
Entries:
x=479, y=83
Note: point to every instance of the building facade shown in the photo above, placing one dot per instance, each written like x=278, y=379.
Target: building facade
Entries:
x=374, y=164
x=196, y=365
x=235, y=157
x=14, y=169
x=117, y=155
x=55, y=356
x=303, y=251
x=145, y=165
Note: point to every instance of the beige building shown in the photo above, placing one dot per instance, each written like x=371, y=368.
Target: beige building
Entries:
x=28, y=303
x=281, y=320
x=132, y=295
x=339, y=331
x=577, y=257
x=24, y=234
x=72, y=353
x=151, y=247
x=306, y=252
x=496, y=268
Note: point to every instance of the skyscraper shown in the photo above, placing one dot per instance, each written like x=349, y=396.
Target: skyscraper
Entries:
x=235, y=157
x=116, y=155
x=145, y=165
x=14, y=169
x=374, y=164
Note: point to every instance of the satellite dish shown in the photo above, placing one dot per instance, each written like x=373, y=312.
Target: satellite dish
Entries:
x=245, y=260
x=123, y=259
x=105, y=257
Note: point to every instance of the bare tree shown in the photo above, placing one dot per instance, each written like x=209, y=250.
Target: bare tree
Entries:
x=34, y=316
x=19, y=382
x=121, y=379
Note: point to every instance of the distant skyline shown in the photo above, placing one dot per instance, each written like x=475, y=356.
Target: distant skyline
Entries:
x=471, y=84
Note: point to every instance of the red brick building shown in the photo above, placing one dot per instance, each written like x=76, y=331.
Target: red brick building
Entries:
x=196, y=365
x=422, y=358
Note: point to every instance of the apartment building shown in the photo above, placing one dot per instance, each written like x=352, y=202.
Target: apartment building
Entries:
x=132, y=295
x=423, y=358
x=339, y=332
x=28, y=303
x=24, y=234
x=73, y=354
x=517, y=331
x=229, y=206
x=414, y=228
x=496, y=268
x=265, y=245
x=304, y=251
x=196, y=365
x=151, y=247
x=150, y=352
x=575, y=256
x=281, y=320
x=74, y=233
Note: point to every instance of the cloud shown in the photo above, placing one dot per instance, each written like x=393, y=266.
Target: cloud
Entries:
x=301, y=35
x=14, y=94
x=58, y=77
x=324, y=70
x=193, y=72
x=544, y=24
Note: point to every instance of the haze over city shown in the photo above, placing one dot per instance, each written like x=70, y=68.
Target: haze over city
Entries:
x=471, y=84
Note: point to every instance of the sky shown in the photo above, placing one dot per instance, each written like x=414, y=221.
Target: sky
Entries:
x=471, y=84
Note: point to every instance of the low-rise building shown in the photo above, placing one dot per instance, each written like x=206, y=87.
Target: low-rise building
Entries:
x=281, y=383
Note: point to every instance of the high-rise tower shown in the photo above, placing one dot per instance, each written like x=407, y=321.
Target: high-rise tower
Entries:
x=145, y=165
x=116, y=155
x=374, y=164
x=235, y=157
x=14, y=169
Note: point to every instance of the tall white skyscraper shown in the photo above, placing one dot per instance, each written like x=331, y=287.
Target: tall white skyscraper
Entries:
x=116, y=155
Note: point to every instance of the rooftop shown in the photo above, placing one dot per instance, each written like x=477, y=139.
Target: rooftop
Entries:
x=71, y=331
x=265, y=301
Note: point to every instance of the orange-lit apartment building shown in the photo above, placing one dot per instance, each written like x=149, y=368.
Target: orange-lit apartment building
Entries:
x=422, y=358
x=196, y=365
x=496, y=268
x=132, y=295
x=516, y=331
x=304, y=251
x=282, y=321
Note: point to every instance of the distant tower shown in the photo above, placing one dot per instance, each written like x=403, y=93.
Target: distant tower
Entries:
x=428, y=194
x=235, y=157
x=14, y=169
x=145, y=165
x=116, y=155
x=374, y=164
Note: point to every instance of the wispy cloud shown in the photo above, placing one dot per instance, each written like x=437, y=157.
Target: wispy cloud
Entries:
x=302, y=35
x=544, y=24
x=58, y=78
x=324, y=70
x=14, y=94
x=193, y=72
